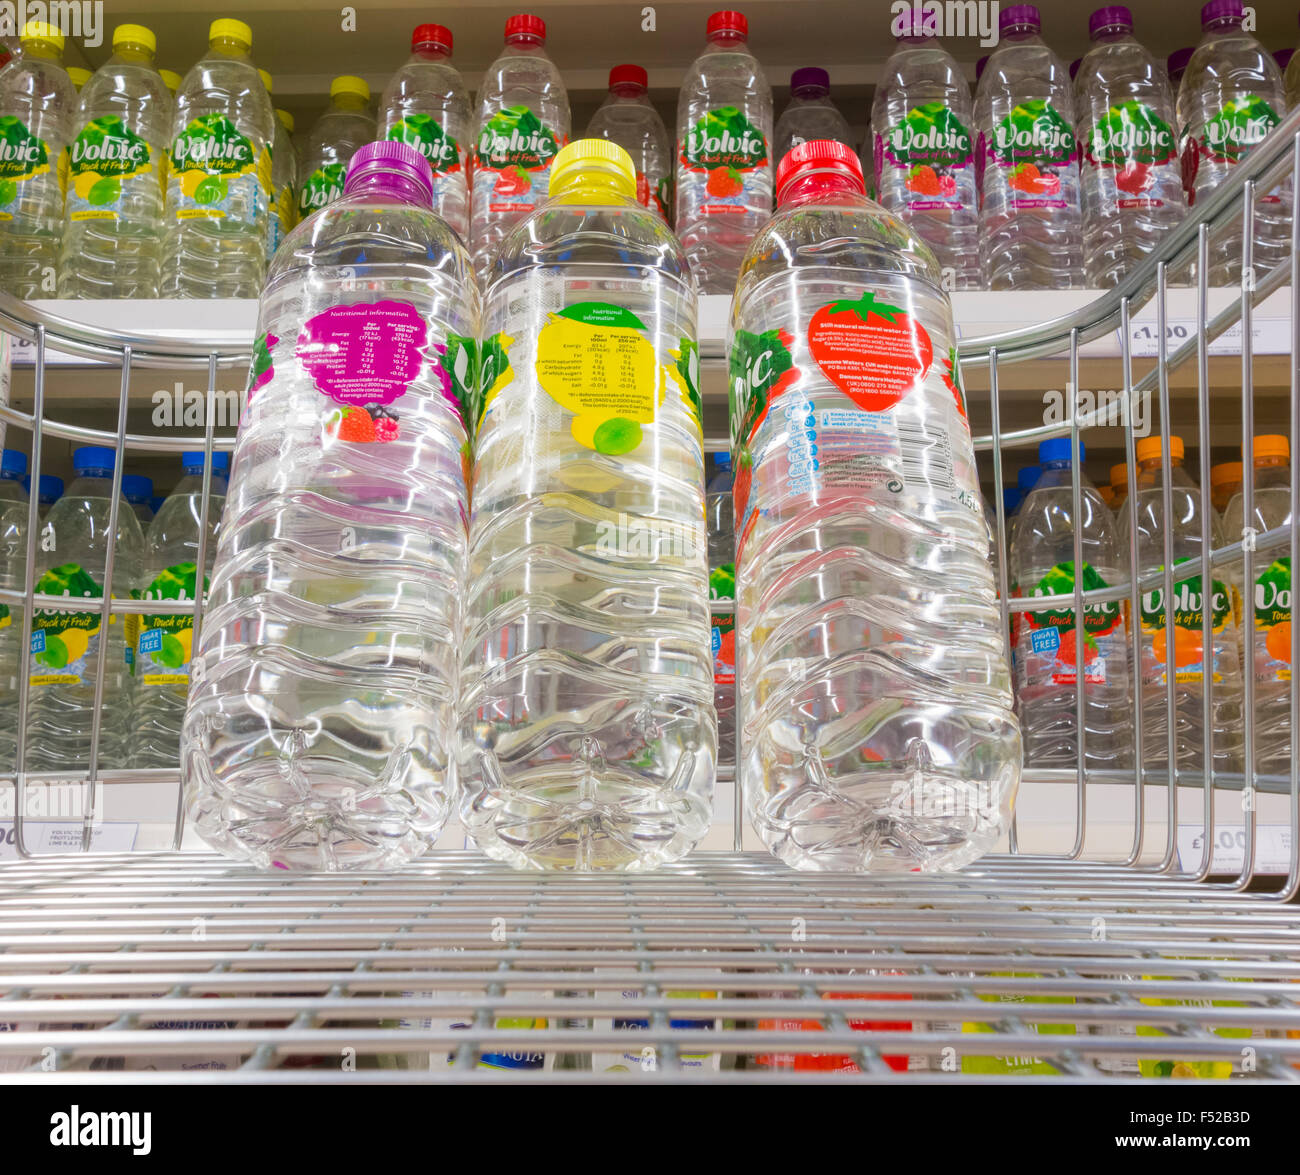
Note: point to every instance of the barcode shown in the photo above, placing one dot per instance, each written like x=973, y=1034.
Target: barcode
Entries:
x=926, y=457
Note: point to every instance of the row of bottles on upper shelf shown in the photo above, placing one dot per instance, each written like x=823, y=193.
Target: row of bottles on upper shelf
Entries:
x=1250, y=630
x=1036, y=182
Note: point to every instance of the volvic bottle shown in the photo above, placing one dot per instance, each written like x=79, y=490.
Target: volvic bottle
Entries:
x=924, y=151
x=138, y=491
x=344, y=128
x=810, y=114
x=219, y=174
x=113, y=235
x=1231, y=96
x=283, y=213
x=523, y=121
x=1146, y=512
x=1132, y=179
x=720, y=520
x=1045, y=646
x=37, y=107
x=318, y=729
x=587, y=731
x=1030, y=220
x=627, y=117
x=426, y=105
x=72, y=550
x=724, y=163
x=13, y=564
x=1270, y=635
x=875, y=701
x=165, y=645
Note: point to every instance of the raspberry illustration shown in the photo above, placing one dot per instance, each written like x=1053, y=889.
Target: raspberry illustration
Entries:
x=724, y=182
x=947, y=185
x=387, y=429
x=924, y=180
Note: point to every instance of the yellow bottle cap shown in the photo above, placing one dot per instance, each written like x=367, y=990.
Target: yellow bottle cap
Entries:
x=1226, y=473
x=231, y=30
x=171, y=79
x=1272, y=446
x=1107, y=495
x=583, y=156
x=286, y=120
x=1151, y=448
x=134, y=34
x=266, y=79
x=78, y=75
x=347, y=84
x=37, y=31
x=1119, y=476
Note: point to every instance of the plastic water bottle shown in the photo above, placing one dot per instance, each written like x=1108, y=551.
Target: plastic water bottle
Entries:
x=220, y=173
x=875, y=701
x=587, y=729
x=720, y=522
x=319, y=722
x=1146, y=512
x=810, y=114
x=1031, y=227
x=628, y=117
x=284, y=177
x=37, y=105
x=923, y=151
x=49, y=491
x=523, y=121
x=426, y=105
x=724, y=164
x=138, y=491
x=13, y=564
x=165, y=646
x=1132, y=178
x=66, y=646
x=344, y=128
x=113, y=235
x=1231, y=96
x=1045, y=647
x=1271, y=652
x=1291, y=82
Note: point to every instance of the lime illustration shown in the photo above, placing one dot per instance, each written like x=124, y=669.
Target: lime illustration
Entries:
x=172, y=654
x=211, y=191
x=8, y=191
x=105, y=191
x=617, y=436
x=55, y=654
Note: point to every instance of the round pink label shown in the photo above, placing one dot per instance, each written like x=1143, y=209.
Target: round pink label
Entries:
x=367, y=353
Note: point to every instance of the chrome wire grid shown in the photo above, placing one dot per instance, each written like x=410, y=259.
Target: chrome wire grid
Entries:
x=179, y=967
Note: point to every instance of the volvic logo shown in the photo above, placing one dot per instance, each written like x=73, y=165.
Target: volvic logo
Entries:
x=119, y=151
x=1270, y=595
x=1043, y=138
x=1130, y=141
x=746, y=144
x=906, y=137
x=208, y=151
x=1246, y=132
x=540, y=143
x=26, y=152
x=1188, y=604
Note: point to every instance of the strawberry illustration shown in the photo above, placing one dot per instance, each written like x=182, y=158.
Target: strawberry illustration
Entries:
x=873, y=352
x=1046, y=185
x=1068, y=653
x=725, y=657
x=724, y=182
x=352, y=424
x=924, y=180
x=1024, y=177
x=513, y=181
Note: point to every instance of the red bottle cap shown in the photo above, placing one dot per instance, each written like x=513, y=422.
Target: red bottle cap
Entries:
x=727, y=22
x=525, y=25
x=431, y=34
x=820, y=155
x=628, y=75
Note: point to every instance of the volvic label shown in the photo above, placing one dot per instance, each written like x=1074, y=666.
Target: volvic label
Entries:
x=1131, y=133
x=426, y=135
x=1273, y=621
x=164, y=646
x=1029, y=149
x=103, y=161
x=1188, y=609
x=932, y=148
x=22, y=157
x=63, y=643
x=322, y=187
x=1240, y=125
x=724, y=138
x=218, y=173
x=1052, y=636
x=514, y=154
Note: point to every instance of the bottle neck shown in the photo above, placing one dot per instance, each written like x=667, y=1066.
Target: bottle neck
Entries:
x=811, y=93
x=1111, y=34
x=628, y=91
x=431, y=51
x=136, y=54
x=349, y=102
x=1223, y=24
x=227, y=47
x=525, y=42
x=820, y=186
x=392, y=187
x=596, y=185
x=728, y=39
x=43, y=50
x=1271, y=463
x=1155, y=464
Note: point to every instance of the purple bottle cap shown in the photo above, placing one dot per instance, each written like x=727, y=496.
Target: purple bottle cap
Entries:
x=397, y=166
x=1074, y=67
x=1222, y=12
x=1116, y=16
x=1177, y=61
x=810, y=77
x=1283, y=58
x=979, y=66
x=1020, y=16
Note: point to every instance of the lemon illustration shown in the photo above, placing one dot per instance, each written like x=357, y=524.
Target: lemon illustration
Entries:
x=84, y=182
x=76, y=641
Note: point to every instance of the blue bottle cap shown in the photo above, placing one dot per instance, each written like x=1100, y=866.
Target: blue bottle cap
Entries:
x=51, y=488
x=1028, y=477
x=155, y=503
x=192, y=461
x=1010, y=499
x=136, y=488
x=93, y=459
x=722, y=461
x=13, y=464
x=1057, y=449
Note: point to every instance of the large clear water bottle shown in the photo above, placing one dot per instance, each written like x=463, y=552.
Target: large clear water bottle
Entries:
x=426, y=105
x=810, y=114
x=875, y=701
x=628, y=117
x=37, y=108
x=1231, y=96
x=344, y=128
x=164, y=647
x=13, y=565
x=318, y=730
x=1132, y=178
x=923, y=151
x=523, y=121
x=1146, y=512
x=1272, y=587
x=1045, y=647
x=138, y=491
x=220, y=173
x=113, y=235
x=284, y=177
x=720, y=521
x=724, y=163
x=1031, y=229
x=587, y=730
x=72, y=551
